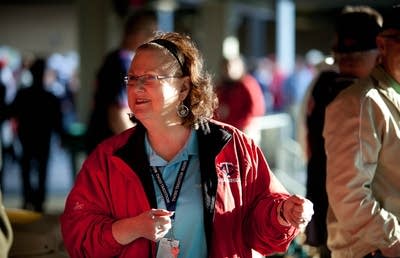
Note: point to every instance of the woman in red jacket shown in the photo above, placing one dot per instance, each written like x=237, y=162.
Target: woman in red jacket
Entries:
x=178, y=184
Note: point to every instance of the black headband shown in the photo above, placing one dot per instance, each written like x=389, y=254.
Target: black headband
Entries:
x=172, y=48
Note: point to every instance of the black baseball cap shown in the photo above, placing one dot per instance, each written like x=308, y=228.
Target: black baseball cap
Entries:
x=355, y=32
x=391, y=19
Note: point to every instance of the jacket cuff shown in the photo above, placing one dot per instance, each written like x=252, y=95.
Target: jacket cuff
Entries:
x=109, y=239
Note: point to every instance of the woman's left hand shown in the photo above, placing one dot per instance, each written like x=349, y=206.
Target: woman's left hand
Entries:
x=297, y=211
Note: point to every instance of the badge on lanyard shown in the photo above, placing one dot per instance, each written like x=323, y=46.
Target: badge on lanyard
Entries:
x=168, y=248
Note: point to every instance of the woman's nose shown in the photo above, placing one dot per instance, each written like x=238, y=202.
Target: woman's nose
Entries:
x=138, y=87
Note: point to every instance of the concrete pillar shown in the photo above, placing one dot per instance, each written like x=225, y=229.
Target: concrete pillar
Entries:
x=165, y=20
x=92, y=45
x=285, y=35
x=213, y=29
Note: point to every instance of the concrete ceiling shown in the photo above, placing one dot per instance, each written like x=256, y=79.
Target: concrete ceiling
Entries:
x=315, y=5
x=301, y=5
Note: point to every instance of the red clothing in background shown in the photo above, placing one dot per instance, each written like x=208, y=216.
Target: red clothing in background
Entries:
x=240, y=101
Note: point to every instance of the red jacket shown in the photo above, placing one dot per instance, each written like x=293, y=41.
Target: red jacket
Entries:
x=240, y=197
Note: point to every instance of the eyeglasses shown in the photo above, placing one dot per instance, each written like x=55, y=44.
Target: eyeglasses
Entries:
x=145, y=79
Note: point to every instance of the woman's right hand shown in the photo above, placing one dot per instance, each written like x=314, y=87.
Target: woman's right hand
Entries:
x=153, y=224
x=297, y=211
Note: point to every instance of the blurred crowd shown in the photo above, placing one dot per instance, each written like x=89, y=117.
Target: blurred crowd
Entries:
x=38, y=103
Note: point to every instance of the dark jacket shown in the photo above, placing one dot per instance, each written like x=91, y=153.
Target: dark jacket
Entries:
x=326, y=88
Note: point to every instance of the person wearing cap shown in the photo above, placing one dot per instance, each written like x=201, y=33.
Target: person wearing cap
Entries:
x=356, y=54
x=362, y=143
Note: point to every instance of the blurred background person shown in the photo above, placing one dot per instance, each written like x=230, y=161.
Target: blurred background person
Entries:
x=362, y=143
x=294, y=89
x=37, y=114
x=239, y=94
x=8, y=141
x=262, y=70
x=60, y=73
x=355, y=52
x=6, y=233
x=2, y=109
x=110, y=107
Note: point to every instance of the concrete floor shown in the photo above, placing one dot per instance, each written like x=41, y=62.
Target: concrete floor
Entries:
x=41, y=237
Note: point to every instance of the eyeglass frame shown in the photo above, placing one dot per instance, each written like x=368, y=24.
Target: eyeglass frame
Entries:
x=145, y=78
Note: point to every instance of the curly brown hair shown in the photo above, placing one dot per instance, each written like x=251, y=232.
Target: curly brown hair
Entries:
x=201, y=99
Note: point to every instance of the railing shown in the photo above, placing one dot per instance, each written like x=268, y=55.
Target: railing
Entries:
x=273, y=133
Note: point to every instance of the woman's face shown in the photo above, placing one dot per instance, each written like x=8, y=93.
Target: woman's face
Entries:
x=152, y=96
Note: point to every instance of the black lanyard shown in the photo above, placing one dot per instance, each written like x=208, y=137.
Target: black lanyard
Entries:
x=170, y=201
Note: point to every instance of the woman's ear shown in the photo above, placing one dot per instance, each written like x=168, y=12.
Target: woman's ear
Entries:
x=185, y=87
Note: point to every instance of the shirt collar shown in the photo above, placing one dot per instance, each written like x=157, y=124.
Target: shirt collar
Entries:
x=190, y=148
x=389, y=81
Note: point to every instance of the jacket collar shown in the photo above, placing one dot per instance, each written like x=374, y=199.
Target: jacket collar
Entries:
x=211, y=139
x=386, y=85
x=133, y=153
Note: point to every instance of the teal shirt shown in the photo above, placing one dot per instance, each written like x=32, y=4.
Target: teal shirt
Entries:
x=390, y=80
x=188, y=225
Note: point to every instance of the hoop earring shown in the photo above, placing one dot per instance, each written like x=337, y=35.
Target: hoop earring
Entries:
x=182, y=110
x=131, y=115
